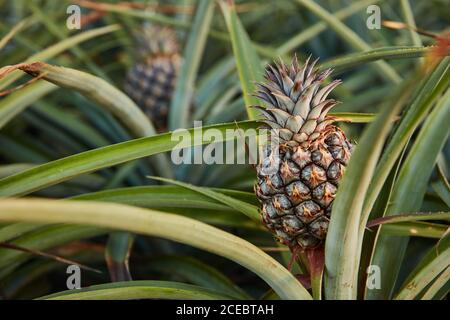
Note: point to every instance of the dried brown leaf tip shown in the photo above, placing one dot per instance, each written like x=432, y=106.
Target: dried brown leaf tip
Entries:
x=34, y=69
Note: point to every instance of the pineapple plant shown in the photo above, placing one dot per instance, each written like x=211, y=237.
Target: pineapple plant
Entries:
x=305, y=157
x=150, y=81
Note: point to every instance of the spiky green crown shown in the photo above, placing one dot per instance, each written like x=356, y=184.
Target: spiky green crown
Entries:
x=297, y=107
x=156, y=41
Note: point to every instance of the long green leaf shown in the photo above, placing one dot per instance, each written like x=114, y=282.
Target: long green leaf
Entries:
x=314, y=30
x=159, y=196
x=99, y=91
x=249, y=210
x=184, y=88
x=166, y=198
x=409, y=191
x=342, y=245
x=409, y=18
x=171, y=21
x=84, y=132
x=384, y=69
x=58, y=48
x=140, y=290
x=16, y=102
x=354, y=117
x=9, y=169
x=441, y=283
x=352, y=60
x=20, y=26
x=247, y=60
x=435, y=262
x=179, y=200
x=410, y=217
x=416, y=229
x=63, y=169
x=54, y=29
x=429, y=91
x=196, y=272
x=107, y=96
x=43, y=237
x=16, y=230
x=154, y=223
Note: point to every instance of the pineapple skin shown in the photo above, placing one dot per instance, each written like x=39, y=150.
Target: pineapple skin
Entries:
x=150, y=82
x=305, y=158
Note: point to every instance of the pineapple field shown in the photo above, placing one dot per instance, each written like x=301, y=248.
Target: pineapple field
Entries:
x=224, y=150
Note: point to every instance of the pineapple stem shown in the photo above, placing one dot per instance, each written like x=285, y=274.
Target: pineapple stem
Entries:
x=314, y=262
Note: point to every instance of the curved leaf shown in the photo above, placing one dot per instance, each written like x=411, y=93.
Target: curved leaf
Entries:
x=409, y=18
x=42, y=238
x=354, y=117
x=314, y=30
x=430, y=90
x=435, y=262
x=442, y=283
x=185, y=84
x=66, y=168
x=103, y=93
x=409, y=191
x=196, y=272
x=97, y=90
x=167, y=196
x=247, y=60
x=16, y=102
x=58, y=48
x=63, y=169
x=416, y=229
x=342, y=249
x=150, y=222
x=249, y=210
x=352, y=60
x=347, y=34
x=410, y=217
x=139, y=290
x=10, y=169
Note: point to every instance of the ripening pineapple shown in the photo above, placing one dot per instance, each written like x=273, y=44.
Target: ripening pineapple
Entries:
x=150, y=82
x=305, y=156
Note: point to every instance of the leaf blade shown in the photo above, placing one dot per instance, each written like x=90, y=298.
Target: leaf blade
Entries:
x=63, y=169
x=143, y=289
x=409, y=191
x=154, y=223
x=184, y=87
x=249, y=210
x=247, y=60
x=342, y=248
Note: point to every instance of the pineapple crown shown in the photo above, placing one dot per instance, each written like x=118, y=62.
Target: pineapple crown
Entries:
x=297, y=107
x=154, y=41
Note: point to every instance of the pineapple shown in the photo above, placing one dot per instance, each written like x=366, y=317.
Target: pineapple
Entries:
x=305, y=157
x=150, y=82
